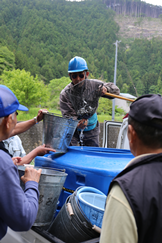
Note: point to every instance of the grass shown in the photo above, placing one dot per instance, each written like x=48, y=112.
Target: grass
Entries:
x=101, y=118
x=24, y=116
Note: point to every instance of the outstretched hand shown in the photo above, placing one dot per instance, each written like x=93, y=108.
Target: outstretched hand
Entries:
x=38, y=151
x=82, y=123
x=40, y=114
x=42, y=150
x=17, y=160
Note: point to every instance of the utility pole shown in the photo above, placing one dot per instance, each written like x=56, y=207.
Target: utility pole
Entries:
x=115, y=71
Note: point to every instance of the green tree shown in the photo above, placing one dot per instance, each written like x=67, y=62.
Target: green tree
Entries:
x=159, y=84
x=153, y=89
x=140, y=87
x=30, y=91
x=149, y=79
x=156, y=89
x=119, y=81
x=105, y=106
x=45, y=35
x=7, y=59
x=125, y=88
x=54, y=88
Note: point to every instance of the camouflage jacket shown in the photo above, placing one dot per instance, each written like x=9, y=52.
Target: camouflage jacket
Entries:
x=66, y=106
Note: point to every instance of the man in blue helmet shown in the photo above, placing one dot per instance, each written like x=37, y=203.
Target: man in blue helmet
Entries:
x=78, y=72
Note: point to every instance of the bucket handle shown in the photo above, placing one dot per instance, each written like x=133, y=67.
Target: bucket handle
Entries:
x=96, y=228
x=69, y=208
x=51, y=168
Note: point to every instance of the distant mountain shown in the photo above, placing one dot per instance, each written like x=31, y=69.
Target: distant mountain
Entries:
x=143, y=27
x=45, y=35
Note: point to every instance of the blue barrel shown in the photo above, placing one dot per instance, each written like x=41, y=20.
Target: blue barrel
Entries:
x=86, y=166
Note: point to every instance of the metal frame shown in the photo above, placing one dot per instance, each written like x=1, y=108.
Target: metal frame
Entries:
x=106, y=127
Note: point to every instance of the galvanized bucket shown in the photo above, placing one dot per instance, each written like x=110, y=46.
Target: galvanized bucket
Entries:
x=58, y=131
x=50, y=186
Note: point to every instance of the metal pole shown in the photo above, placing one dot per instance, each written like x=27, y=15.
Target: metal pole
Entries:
x=115, y=71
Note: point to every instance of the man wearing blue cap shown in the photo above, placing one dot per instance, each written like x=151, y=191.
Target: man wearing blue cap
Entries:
x=18, y=208
x=133, y=209
x=78, y=72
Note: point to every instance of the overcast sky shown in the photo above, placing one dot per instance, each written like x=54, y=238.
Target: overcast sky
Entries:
x=154, y=2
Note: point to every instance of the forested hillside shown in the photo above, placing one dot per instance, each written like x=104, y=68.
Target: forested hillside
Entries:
x=45, y=35
x=41, y=36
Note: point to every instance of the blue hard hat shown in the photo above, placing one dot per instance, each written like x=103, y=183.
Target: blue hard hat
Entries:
x=77, y=64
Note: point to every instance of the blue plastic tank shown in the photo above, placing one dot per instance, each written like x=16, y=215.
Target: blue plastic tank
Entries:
x=86, y=166
x=93, y=207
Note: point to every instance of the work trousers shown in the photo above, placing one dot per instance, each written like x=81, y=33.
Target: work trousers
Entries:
x=90, y=138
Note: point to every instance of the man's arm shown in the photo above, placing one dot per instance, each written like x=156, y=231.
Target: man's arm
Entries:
x=38, y=151
x=112, y=88
x=18, y=208
x=24, y=126
x=66, y=107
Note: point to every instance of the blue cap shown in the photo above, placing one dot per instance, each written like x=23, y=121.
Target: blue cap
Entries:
x=8, y=102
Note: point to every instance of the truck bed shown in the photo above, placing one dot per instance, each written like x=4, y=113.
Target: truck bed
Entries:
x=35, y=235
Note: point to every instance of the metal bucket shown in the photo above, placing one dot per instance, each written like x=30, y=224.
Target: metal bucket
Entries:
x=50, y=186
x=58, y=131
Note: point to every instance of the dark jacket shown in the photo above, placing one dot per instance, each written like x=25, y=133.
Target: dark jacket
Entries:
x=66, y=106
x=2, y=147
x=141, y=182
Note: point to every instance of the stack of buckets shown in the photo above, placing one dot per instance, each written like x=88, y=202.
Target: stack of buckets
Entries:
x=80, y=218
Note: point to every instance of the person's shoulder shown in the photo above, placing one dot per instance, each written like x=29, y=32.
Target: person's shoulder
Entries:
x=8, y=140
x=93, y=83
x=117, y=193
x=96, y=80
x=5, y=161
x=66, y=88
x=4, y=155
x=17, y=139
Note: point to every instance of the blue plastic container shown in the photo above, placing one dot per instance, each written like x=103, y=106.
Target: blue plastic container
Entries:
x=87, y=166
x=93, y=206
x=87, y=189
